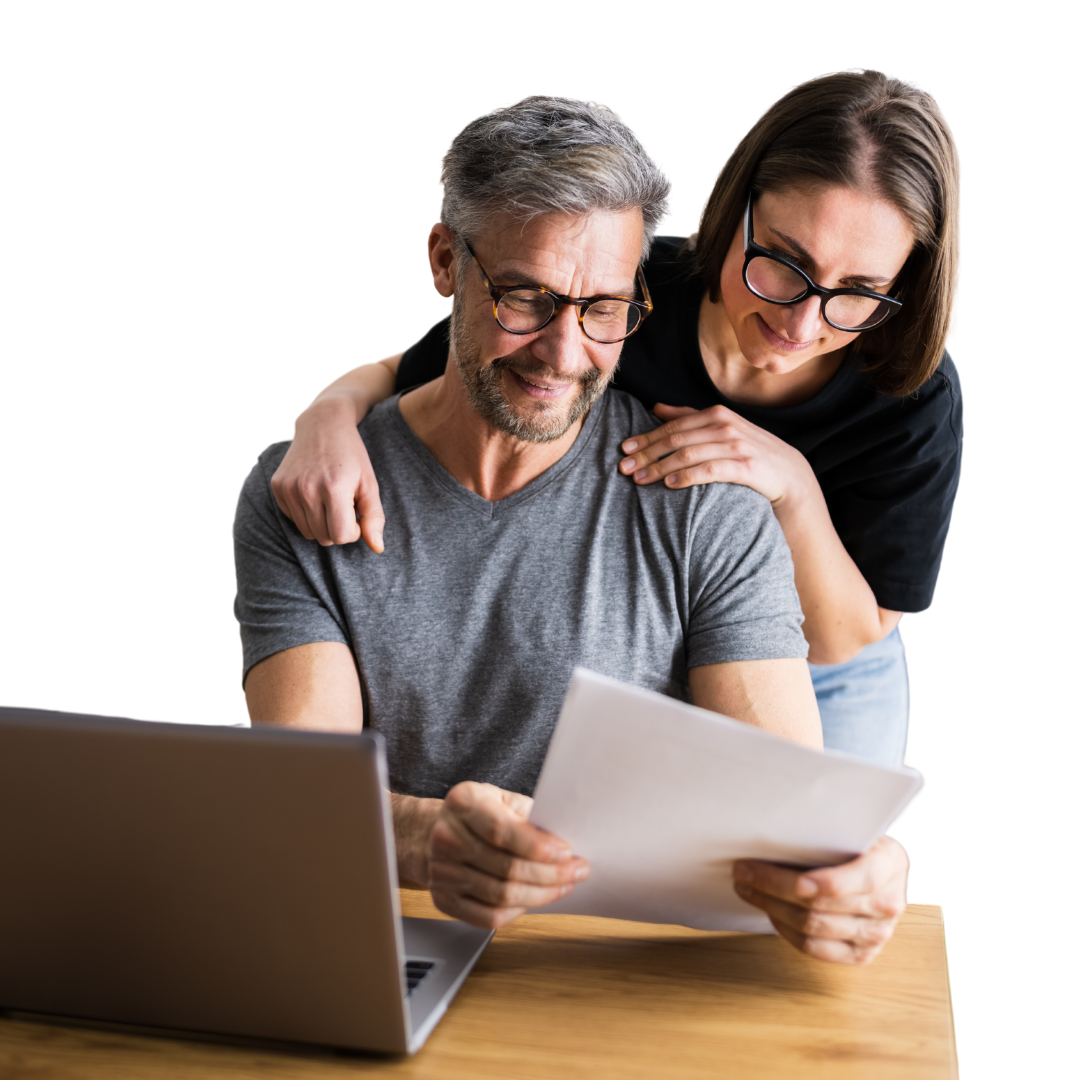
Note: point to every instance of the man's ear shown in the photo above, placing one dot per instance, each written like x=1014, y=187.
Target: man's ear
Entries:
x=443, y=259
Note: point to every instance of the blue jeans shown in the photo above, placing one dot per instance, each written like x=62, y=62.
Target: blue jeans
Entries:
x=864, y=702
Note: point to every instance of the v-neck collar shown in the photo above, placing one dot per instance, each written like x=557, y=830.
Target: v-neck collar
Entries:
x=478, y=503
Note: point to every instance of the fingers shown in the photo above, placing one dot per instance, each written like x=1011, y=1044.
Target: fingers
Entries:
x=844, y=914
x=686, y=450
x=487, y=863
x=369, y=513
x=833, y=952
x=488, y=815
x=679, y=422
x=703, y=463
x=326, y=486
x=878, y=874
x=332, y=505
x=472, y=911
x=672, y=412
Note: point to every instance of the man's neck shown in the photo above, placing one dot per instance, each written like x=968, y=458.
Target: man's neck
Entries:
x=476, y=454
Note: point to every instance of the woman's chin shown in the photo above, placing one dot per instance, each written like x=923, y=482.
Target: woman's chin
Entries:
x=773, y=362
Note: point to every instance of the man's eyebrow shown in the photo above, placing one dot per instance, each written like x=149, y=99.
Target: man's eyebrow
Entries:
x=809, y=260
x=507, y=279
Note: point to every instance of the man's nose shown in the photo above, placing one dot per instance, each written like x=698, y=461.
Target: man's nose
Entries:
x=802, y=322
x=561, y=344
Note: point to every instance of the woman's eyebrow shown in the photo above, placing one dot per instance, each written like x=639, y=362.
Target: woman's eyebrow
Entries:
x=805, y=255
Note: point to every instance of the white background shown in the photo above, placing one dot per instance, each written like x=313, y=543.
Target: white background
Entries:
x=207, y=211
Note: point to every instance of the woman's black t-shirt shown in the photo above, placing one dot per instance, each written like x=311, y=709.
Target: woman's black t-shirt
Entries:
x=888, y=467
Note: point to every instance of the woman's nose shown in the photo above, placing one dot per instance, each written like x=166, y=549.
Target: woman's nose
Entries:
x=803, y=321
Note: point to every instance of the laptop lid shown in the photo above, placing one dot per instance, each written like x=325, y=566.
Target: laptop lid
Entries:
x=204, y=878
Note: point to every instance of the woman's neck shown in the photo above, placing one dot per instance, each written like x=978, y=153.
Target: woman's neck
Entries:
x=736, y=378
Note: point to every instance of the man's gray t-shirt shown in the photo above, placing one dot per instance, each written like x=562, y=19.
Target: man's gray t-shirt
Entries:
x=466, y=629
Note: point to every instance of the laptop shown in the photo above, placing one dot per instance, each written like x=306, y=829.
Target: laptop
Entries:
x=217, y=880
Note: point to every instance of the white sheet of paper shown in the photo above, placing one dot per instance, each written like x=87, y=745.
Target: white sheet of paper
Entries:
x=661, y=797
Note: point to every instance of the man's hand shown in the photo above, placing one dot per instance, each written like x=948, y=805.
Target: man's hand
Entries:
x=840, y=913
x=483, y=861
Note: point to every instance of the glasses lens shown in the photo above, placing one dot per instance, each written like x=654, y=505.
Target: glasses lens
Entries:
x=857, y=312
x=773, y=280
x=608, y=321
x=524, y=310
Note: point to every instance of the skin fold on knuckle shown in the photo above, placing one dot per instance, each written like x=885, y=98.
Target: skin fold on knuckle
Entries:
x=873, y=933
x=834, y=952
x=446, y=842
x=817, y=924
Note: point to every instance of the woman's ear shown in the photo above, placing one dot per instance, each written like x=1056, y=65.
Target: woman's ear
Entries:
x=443, y=259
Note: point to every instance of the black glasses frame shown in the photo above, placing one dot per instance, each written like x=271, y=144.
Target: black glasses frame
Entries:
x=753, y=250
x=582, y=303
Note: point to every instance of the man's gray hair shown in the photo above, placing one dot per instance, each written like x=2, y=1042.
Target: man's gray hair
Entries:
x=549, y=155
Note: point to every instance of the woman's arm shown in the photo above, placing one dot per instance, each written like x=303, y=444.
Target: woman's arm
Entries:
x=325, y=483
x=716, y=444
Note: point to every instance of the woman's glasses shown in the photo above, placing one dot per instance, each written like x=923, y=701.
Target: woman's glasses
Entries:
x=778, y=280
x=525, y=309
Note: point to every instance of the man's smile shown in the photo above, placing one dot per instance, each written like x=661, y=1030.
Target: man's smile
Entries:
x=537, y=386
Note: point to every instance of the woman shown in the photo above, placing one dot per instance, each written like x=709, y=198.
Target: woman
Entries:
x=798, y=345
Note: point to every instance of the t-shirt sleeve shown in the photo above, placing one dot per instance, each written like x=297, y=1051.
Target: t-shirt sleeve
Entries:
x=742, y=600
x=891, y=504
x=426, y=360
x=279, y=603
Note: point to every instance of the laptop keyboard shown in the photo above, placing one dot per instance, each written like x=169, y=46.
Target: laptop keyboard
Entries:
x=415, y=973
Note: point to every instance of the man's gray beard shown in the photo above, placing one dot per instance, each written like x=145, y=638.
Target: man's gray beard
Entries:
x=483, y=387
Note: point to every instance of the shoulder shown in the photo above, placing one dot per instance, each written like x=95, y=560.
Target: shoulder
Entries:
x=620, y=415
x=257, y=484
x=929, y=418
x=935, y=410
x=257, y=509
x=670, y=266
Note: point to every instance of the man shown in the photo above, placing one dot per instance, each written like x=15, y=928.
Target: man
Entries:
x=514, y=549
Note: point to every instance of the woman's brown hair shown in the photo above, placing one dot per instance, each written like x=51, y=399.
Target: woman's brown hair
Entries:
x=864, y=131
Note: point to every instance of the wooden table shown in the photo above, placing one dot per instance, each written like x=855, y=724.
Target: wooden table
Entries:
x=566, y=996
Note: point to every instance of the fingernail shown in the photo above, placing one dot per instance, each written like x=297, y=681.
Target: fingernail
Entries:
x=671, y=480
x=629, y=446
x=641, y=474
x=564, y=889
x=581, y=873
x=626, y=464
x=560, y=854
x=742, y=872
x=806, y=887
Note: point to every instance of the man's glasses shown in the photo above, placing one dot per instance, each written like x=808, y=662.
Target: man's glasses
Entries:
x=525, y=309
x=778, y=280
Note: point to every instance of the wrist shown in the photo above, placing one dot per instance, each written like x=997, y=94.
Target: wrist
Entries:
x=800, y=492
x=331, y=408
x=413, y=821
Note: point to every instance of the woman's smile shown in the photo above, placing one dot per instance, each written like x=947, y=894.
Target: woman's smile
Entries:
x=778, y=342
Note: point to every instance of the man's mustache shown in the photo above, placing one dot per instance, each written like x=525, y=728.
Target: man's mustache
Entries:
x=537, y=369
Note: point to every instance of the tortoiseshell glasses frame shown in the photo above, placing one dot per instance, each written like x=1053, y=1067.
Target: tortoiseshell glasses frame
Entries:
x=539, y=298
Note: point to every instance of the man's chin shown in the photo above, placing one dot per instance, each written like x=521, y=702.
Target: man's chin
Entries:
x=536, y=421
